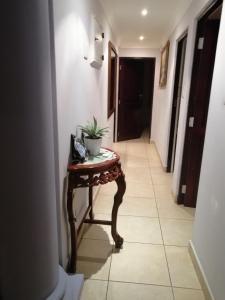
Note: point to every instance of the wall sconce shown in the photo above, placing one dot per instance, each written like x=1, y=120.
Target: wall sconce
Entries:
x=96, y=56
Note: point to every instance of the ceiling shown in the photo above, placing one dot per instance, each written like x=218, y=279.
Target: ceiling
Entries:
x=128, y=24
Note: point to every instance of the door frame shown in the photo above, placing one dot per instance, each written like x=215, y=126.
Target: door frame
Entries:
x=209, y=9
x=112, y=110
x=175, y=110
x=153, y=89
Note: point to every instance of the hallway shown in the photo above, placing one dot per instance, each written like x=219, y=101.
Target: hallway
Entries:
x=154, y=263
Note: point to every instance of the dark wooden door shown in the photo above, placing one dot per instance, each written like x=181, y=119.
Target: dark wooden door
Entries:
x=205, y=49
x=132, y=93
x=177, y=93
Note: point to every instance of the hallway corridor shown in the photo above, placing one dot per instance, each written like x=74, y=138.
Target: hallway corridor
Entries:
x=154, y=263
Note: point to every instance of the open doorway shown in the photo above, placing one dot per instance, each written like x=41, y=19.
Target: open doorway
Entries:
x=177, y=94
x=204, y=57
x=136, y=87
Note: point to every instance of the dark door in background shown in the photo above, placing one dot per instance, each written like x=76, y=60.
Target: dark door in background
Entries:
x=205, y=50
x=136, y=86
x=177, y=93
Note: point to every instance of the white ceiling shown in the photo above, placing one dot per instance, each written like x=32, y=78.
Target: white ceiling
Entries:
x=128, y=24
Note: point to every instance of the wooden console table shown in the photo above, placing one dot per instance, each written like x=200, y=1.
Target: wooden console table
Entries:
x=104, y=168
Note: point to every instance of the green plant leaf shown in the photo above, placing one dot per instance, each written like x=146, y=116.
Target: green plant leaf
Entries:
x=93, y=131
x=95, y=123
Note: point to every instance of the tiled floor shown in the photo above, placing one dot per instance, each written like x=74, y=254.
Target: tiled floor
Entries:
x=154, y=263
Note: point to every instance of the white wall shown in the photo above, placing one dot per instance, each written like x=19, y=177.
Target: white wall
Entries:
x=164, y=102
x=209, y=227
x=81, y=89
x=147, y=52
x=208, y=236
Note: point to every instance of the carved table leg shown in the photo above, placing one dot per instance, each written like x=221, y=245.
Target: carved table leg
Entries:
x=73, y=233
x=118, y=198
x=91, y=203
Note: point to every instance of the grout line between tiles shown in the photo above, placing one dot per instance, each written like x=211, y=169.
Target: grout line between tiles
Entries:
x=145, y=284
x=106, y=296
x=141, y=283
x=112, y=195
x=164, y=245
x=141, y=243
x=131, y=216
x=121, y=215
x=159, y=285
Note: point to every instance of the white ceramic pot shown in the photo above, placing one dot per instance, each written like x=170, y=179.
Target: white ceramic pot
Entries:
x=93, y=145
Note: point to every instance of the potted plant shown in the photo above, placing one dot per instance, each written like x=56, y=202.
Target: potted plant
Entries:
x=93, y=136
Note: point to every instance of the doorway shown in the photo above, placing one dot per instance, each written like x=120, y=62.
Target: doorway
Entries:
x=203, y=65
x=177, y=94
x=136, y=87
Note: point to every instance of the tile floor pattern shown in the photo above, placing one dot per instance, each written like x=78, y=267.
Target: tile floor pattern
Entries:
x=154, y=263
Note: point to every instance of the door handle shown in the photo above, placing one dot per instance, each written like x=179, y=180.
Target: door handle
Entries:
x=191, y=122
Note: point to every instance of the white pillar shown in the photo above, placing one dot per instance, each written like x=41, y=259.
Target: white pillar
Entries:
x=28, y=220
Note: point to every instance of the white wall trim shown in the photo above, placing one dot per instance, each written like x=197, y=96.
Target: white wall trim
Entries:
x=200, y=272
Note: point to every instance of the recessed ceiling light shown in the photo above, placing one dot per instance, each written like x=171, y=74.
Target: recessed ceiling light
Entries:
x=141, y=38
x=144, y=12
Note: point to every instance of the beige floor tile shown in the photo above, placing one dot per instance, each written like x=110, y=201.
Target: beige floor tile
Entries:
x=94, y=258
x=160, y=177
x=135, y=189
x=136, y=150
x=103, y=204
x=140, y=263
x=154, y=163
x=140, y=140
x=163, y=192
x=182, y=271
x=130, y=291
x=135, y=161
x=153, y=158
x=137, y=144
x=108, y=189
x=132, y=229
x=187, y=294
x=123, y=158
x=176, y=232
x=97, y=232
x=153, y=154
x=120, y=147
x=136, y=206
x=151, y=148
x=151, y=145
x=169, y=209
x=158, y=171
x=139, y=229
x=94, y=290
x=138, y=174
x=131, y=206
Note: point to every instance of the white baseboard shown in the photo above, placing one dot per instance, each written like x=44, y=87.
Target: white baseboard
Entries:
x=200, y=273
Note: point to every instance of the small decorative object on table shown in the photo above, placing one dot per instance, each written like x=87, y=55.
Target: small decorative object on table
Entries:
x=78, y=150
x=93, y=136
